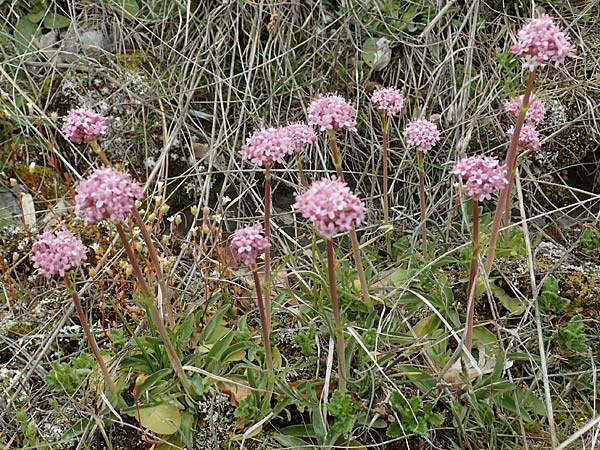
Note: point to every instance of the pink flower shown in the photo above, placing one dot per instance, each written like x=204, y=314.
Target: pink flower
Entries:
x=331, y=112
x=483, y=175
x=83, y=124
x=541, y=41
x=422, y=134
x=106, y=194
x=267, y=145
x=331, y=207
x=535, y=112
x=389, y=100
x=249, y=243
x=57, y=252
x=301, y=135
x=529, y=137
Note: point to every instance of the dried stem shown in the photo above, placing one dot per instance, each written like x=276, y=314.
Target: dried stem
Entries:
x=90, y=337
x=511, y=159
x=337, y=318
x=472, y=276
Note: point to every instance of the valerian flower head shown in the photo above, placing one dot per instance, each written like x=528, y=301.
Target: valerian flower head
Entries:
x=267, y=145
x=249, y=243
x=535, y=112
x=106, y=194
x=388, y=100
x=541, y=42
x=84, y=125
x=301, y=135
x=331, y=207
x=482, y=175
x=57, y=252
x=422, y=134
x=529, y=137
x=332, y=112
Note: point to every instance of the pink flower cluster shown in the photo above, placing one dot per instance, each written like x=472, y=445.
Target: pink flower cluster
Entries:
x=332, y=112
x=483, y=175
x=331, y=207
x=541, y=41
x=423, y=134
x=535, y=113
x=301, y=135
x=57, y=252
x=83, y=124
x=268, y=145
x=529, y=137
x=106, y=194
x=388, y=100
x=249, y=243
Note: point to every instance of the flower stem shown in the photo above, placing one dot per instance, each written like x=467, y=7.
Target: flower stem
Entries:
x=165, y=301
x=337, y=162
x=267, y=278
x=154, y=313
x=90, y=337
x=265, y=324
x=337, y=318
x=511, y=159
x=472, y=275
x=98, y=150
x=421, y=166
x=386, y=211
x=303, y=181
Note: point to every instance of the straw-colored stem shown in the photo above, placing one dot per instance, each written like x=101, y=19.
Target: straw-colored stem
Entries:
x=337, y=318
x=90, y=337
x=337, y=162
x=511, y=159
x=421, y=166
x=472, y=276
x=165, y=300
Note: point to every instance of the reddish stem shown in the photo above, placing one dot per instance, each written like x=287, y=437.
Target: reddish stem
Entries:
x=386, y=207
x=421, y=166
x=264, y=322
x=472, y=276
x=267, y=278
x=337, y=318
x=511, y=159
x=303, y=181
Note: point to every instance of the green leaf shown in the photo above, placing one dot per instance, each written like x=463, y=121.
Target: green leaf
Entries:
x=129, y=8
x=161, y=419
x=483, y=337
x=24, y=33
x=53, y=20
x=513, y=305
x=369, y=51
x=291, y=442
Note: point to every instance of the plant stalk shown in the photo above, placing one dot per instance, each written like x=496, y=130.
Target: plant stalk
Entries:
x=386, y=201
x=90, y=337
x=421, y=166
x=337, y=318
x=267, y=275
x=511, y=159
x=265, y=324
x=472, y=276
x=337, y=162
x=303, y=181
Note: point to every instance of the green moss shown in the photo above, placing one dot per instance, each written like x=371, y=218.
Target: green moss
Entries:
x=137, y=61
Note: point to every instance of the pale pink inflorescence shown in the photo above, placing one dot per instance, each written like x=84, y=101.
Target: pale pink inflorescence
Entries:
x=106, y=194
x=541, y=41
x=388, y=100
x=423, y=134
x=301, y=135
x=529, y=137
x=249, y=243
x=331, y=207
x=535, y=113
x=482, y=175
x=332, y=112
x=57, y=252
x=267, y=145
x=83, y=125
